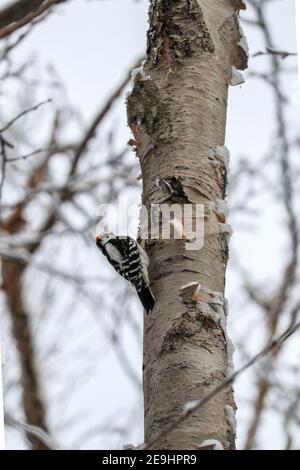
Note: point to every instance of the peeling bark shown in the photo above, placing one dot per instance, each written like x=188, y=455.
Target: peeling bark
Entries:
x=178, y=119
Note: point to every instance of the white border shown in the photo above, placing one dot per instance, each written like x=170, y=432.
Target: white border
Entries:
x=2, y=442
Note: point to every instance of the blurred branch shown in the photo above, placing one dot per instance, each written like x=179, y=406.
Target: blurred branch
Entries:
x=33, y=403
x=17, y=11
x=274, y=305
x=273, y=51
x=3, y=144
x=27, y=260
x=33, y=431
x=21, y=13
x=23, y=113
x=19, y=233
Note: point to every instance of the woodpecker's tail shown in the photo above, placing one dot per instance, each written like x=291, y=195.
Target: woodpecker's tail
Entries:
x=147, y=299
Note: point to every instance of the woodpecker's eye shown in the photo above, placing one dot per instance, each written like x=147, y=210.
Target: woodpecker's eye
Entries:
x=98, y=238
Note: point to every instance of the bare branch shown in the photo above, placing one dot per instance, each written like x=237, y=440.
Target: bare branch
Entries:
x=34, y=431
x=23, y=113
x=97, y=120
x=273, y=51
x=21, y=13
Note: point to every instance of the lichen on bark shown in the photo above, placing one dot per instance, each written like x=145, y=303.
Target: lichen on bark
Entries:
x=177, y=30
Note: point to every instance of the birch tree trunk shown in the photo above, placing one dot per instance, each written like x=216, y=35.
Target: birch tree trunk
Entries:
x=177, y=114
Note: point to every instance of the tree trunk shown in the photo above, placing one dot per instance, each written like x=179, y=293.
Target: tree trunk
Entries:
x=177, y=113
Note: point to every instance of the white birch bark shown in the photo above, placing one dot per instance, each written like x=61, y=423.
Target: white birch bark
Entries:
x=177, y=113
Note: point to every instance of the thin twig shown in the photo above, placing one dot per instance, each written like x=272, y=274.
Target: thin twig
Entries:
x=23, y=113
x=33, y=430
x=95, y=123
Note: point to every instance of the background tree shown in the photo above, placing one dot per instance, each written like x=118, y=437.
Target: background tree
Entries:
x=60, y=159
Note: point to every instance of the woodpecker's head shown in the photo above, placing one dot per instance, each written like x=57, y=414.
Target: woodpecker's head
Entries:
x=104, y=238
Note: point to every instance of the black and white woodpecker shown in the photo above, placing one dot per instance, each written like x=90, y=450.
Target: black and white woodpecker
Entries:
x=130, y=260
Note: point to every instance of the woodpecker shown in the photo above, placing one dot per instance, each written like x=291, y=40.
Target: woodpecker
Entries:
x=130, y=260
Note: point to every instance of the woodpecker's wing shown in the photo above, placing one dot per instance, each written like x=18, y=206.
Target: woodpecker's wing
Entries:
x=113, y=254
x=146, y=297
x=129, y=266
x=131, y=262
